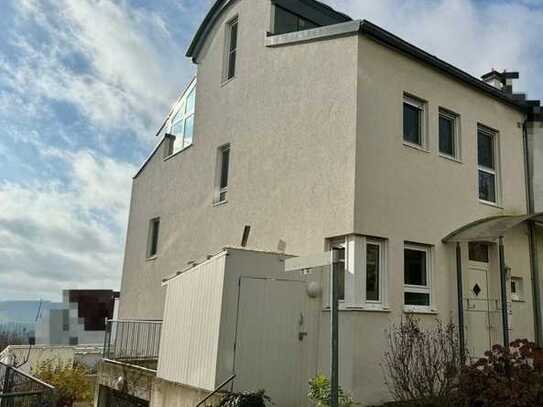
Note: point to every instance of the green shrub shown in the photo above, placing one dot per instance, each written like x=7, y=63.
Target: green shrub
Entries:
x=320, y=392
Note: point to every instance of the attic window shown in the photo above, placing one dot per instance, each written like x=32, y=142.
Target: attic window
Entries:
x=286, y=22
x=182, y=123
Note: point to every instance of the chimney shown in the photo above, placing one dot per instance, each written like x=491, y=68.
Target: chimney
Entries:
x=501, y=80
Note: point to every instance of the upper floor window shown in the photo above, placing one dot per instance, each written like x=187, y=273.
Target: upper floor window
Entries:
x=182, y=122
x=152, y=240
x=223, y=167
x=231, y=49
x=286, y=22
x=417, y=276
x=487, y=146
x=414, y=113
x=449, y=134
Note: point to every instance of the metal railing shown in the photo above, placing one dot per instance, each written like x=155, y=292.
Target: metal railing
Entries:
x=18, y=389
x=135, y=342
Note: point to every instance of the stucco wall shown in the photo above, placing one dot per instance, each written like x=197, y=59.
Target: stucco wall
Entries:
x=535, y=141
x=291, y=162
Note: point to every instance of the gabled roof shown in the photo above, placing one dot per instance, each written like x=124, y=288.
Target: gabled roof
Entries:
x=220, y=5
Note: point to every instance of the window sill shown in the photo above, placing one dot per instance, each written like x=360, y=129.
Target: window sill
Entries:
x=416, y=147
x=358, y=308
x=488, y=203
x=152, y=258
x=413, y=309
x=221, y=203
x=451, y=158
x=177, y=153
x=227, y=81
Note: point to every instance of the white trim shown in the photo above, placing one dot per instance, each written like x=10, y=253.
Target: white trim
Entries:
x=218, y=175
x=420, y=289
x=494, y=135
x=422, y=106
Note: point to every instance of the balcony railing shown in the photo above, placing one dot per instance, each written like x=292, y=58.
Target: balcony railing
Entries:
x=18, y=389
x=133, y=342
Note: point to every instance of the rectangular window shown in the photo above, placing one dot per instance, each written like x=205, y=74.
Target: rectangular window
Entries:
x=517, y=289
x=486, y=157
x=286, y=22
x=373, y=271
x=231, y=49
x=223, y=167
x=417, y=275
x=413, y=121
x=449, y=137
x=154, y=230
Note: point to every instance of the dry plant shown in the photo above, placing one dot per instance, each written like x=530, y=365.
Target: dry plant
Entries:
x=422, y=364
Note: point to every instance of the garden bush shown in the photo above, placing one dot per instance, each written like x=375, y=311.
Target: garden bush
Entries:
x=320, y=393
x=258, y=399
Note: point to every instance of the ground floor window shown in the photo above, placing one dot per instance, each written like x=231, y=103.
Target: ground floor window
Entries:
x=417, y=276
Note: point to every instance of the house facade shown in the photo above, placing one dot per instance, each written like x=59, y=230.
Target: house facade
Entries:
x=305, y=131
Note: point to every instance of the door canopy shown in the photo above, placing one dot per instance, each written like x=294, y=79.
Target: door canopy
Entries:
x=489, y=229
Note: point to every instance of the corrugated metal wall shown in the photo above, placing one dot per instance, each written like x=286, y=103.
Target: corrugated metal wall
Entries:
x=190, y=332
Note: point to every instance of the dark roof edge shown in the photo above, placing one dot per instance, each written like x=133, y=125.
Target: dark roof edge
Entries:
x=377, y=33
x=220, y=5
x=157, y=147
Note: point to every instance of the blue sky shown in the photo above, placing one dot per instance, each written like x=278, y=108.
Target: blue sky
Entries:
x=84, y=85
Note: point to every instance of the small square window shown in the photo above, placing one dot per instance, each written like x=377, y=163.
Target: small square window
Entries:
x=478, y=251
x=449, y=142
x=413, y=121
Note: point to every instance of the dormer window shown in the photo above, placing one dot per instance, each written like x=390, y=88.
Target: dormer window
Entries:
x=182, y=123
x=286, y=21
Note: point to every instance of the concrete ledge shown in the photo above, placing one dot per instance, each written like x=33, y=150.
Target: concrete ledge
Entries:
x=166, y=393
x=320, y=33
x=134, y=380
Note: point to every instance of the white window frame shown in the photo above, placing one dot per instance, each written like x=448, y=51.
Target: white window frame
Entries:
x=419, y=289
x=228, y=52
x=422, y=106
x=218, y=190
x=494, y=171
x=180, y=114
x=356, y=272
x=455, y=118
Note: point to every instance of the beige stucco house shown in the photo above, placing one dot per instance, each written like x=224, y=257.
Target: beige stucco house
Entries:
x=302, y=131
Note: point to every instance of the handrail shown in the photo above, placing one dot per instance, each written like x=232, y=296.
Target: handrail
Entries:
x=216, y=390
x=30, y=377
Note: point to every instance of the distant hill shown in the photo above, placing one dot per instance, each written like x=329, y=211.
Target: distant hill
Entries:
x=23, y=311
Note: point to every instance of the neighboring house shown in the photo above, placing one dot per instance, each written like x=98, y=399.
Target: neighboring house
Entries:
x=305, y=131
x=81, y=319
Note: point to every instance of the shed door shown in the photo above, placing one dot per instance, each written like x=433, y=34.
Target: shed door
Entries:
x=272, y=346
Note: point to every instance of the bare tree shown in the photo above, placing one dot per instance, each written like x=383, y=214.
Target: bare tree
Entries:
x=422, y=365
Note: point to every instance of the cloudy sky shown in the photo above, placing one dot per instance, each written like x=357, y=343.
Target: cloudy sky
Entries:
x=84, y=85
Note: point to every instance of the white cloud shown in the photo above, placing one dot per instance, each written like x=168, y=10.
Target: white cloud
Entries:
x=119, y=65
x=55, y=235
x=475, y=36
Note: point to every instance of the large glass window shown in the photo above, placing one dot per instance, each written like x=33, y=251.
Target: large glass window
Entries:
x=286, y=22
x=182, y=122
x=413, y=121
x=486, y=157
x=417, y=273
